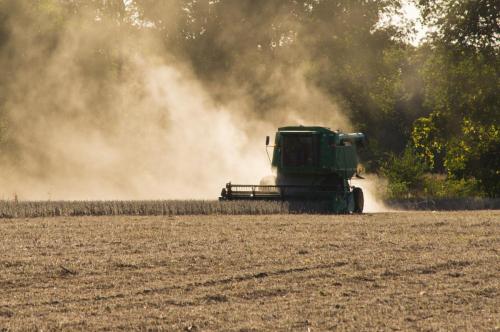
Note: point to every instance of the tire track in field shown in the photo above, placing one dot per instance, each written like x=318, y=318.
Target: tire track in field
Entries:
x=186, y=287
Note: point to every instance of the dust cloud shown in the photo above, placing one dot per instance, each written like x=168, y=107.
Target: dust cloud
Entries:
x=171, y=143
x=373, y=188
x=141, y=125
x=151, y=132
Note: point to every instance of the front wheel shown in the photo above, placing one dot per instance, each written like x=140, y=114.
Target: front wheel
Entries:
x=359, y=200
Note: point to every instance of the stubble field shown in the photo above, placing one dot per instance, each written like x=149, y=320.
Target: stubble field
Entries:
x=388, y=271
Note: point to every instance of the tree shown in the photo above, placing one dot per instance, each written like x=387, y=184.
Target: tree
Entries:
x=462, y=79
x=405, y=174
x=464, y=24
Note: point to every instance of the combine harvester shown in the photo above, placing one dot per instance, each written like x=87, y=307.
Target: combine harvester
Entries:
x=314, y=165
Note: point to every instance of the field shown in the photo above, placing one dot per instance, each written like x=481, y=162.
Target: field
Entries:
x=425, y=271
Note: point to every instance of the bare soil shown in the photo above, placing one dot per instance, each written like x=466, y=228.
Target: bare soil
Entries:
x=389, y=271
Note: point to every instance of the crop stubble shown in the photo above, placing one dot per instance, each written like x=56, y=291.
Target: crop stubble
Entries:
x=411, y=270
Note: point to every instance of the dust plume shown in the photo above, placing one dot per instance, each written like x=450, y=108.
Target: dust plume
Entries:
x=145, y=129
x=135, y=125
x=373, y=188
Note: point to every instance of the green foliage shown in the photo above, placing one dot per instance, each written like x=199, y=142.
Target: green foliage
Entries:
x=426, y=139
x=442, y=187
x=476, y=154
x=407, y=178
x=464, y=24
x=405, y=174
x=461, y=74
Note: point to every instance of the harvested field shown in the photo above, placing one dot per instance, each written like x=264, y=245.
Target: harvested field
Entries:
x=388, y=271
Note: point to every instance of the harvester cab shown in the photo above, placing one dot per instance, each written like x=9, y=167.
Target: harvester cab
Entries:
x=312, y=164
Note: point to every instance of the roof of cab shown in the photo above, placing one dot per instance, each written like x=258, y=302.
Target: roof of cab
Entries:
x=309, y=129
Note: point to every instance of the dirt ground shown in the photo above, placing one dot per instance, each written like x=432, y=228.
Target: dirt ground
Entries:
x=391, y=271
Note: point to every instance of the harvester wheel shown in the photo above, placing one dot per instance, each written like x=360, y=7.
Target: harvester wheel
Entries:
x=359, y=200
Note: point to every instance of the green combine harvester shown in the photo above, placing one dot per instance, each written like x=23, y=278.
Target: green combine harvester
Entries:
x=313, y=164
